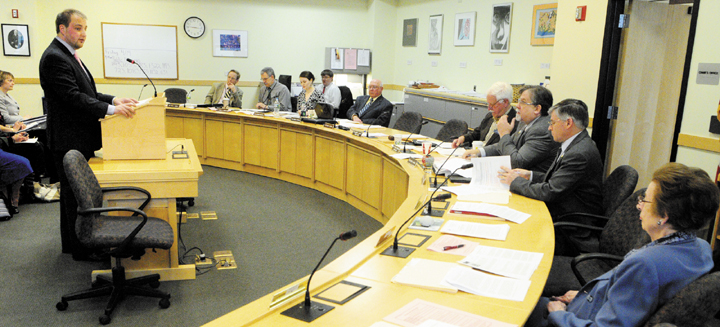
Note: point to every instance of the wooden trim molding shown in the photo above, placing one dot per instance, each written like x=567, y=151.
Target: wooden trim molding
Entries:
x=126, y=81
x=699, y=142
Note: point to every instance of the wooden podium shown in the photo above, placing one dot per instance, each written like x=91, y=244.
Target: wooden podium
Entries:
x=140, y=137
x=136, y=153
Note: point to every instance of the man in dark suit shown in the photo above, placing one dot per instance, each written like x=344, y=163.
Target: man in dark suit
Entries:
x=74, y=107
x=532, y=146
x=573, y=181
x=498, y=97
x=367, y=109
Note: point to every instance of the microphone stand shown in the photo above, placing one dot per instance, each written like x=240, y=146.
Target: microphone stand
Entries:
x=443, y=164
x=367, y=131
x=308, y=311
x=143, y=71
x=141, y=90
x=403, y=251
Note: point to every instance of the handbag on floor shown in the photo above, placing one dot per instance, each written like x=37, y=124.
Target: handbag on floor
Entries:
x=47, y=192
x=5, y=214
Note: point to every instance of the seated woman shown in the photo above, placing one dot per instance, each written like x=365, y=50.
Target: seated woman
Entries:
x=39, y=156
x=13, y=170
x=309, y=96
x=678, y=201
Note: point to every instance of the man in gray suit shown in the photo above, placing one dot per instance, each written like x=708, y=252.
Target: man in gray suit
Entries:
x=531, y=146
x=573, y=181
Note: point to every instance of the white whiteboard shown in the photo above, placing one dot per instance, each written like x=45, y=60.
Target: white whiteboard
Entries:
x=154, y=47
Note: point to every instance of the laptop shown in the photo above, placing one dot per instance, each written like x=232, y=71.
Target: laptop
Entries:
x=324, y=112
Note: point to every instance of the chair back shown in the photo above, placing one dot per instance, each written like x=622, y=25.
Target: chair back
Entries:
x=617, y=187
x=346, y=101
x=624, y=232
x=82, y=181
x=285, y=80
x=175, y=95
x=410, y=122
x=693, y=306
x=452, y=129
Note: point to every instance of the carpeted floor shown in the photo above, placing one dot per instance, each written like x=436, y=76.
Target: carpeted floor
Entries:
x=276, y=230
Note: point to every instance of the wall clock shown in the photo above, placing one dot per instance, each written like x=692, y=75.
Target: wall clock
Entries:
x=194, y=27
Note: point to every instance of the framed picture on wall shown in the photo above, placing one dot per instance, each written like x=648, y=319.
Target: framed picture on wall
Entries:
x=228, y=43
x=465, y=29
x=500, y=28
x=543, y=26
x=435, y=35
x=16, y=40
x=410, y=32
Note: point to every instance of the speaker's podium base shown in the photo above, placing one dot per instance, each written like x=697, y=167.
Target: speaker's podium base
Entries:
x=300, y=312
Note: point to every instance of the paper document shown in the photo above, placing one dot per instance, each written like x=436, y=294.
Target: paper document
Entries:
x=407, y=155
x=480, y=283
x=31, y=125
x=449, y=240
x=32, y=140
x=412, y=136
x=492, y=232
x=451, y=165
x=473, y=208
x=435, y=323
x=501, y=197
x=506, y=262
x=457, y=152
x=419, y=311
x=427, y=274
x=485, y=173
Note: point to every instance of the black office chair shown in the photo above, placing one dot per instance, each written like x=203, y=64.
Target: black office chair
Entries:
x=410, y=122
x=175, y=95
x=285, y=80
x=452, y=129
x=346, y=101
x=127, y=236
x=693, y=306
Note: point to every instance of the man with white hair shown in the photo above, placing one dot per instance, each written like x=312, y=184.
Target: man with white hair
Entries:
x=499, y=97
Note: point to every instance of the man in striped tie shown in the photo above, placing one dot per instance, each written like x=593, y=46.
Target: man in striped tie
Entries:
x=228, y=90
x=371, y=109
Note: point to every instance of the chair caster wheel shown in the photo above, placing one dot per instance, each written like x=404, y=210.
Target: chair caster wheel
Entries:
x=61, y=306
x=191, y=202
x=104, y=319
x=154, y=284
x=165, y=303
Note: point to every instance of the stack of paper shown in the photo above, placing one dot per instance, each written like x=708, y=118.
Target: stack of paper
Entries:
x=428, y=274
x=493, y=232
x=446, y=168
x=480, y=283
x=419, y=311
x=506, y=262
x=472, y=208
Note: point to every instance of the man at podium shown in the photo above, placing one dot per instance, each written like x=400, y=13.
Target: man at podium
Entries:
x=74, y=107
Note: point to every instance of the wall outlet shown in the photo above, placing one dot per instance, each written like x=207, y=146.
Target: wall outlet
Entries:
x=433, y=63
x=498, y=62
x=463, y=64
x=409, y=62
x=545, y=65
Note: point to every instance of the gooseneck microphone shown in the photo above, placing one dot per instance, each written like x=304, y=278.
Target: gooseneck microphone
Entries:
x=143, y=71
x=188, y=95
x=402, y=251
x=308, y=310
x=141, y=89
x=367, y=131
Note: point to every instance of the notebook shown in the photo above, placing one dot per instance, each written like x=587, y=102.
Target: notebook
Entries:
x=324, y=112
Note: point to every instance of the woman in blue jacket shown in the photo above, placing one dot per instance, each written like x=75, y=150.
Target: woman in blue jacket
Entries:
x=678, y=201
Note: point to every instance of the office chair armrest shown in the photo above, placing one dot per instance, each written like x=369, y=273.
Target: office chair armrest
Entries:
x=126, y=241
x=130, y=188
x=564, y=226
x=590, y=256
x=580, y=215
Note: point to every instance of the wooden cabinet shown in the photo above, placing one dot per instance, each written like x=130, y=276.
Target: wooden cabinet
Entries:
x=296, y=152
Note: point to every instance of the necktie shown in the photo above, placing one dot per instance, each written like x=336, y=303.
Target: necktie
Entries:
x=77, y=57
x=227, y=92
x=324, y=89
x=554, y=165
x=362, y=111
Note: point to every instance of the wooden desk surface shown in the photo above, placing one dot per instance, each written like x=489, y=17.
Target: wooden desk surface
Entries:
x=363, y=264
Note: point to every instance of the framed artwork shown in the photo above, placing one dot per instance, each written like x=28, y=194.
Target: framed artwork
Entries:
x=500, y=29
x=543, y=26
x=16, y=40
x=228, y=43
x=435, y=35
x=410, y=32
x=465, y=29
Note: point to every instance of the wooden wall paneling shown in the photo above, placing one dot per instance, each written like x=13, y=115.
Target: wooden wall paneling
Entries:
x=393, y=192
x=364, y=175
x=174, y=127
x=330, y=162
x=296, y=152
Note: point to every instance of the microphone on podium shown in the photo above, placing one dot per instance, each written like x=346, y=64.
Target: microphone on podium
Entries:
x=143, y=71
x=308, y=310
x=403, y=251
x=141, y=89
x=188, y=95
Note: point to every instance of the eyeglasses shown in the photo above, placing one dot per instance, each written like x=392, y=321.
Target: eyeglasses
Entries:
x=525, y=103
x=373, y=87
x=552, y=122
x=493, y=105
x=641, y=199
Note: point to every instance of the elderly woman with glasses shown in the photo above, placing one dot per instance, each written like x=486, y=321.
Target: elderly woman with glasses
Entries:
x=679, y=201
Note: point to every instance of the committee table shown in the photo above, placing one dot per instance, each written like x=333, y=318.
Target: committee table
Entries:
x=362, y=172
x=166, y=180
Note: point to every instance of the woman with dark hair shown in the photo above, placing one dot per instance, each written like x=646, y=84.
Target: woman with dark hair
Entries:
x=679, y=201
x=309, y=96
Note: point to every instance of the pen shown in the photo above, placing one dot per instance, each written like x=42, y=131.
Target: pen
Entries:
x=450, y=247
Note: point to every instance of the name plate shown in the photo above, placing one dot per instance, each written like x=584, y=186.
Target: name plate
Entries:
x=297, y=119
x=329, y=125
x=173, y=105
x=358, y=133
x=258, y=114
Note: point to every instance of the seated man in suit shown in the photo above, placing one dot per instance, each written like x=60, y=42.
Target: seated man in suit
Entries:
x=228, y=90
x=271, y=89
x=330, y=91
x=573, y=182
x=532, y=146
x=373, y=109
x=498, y=97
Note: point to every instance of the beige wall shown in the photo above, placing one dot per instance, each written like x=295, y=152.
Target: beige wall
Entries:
x=702, y=100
